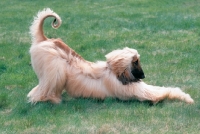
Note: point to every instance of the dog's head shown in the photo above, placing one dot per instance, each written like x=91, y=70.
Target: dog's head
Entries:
x=125, y=64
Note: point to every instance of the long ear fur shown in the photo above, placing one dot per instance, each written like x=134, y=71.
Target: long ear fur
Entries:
x=126, y=77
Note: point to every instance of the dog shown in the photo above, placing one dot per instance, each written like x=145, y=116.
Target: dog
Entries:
x=59, y=68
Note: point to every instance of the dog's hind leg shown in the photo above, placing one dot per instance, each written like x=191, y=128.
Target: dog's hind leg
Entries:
x=32, y=95
x=45, y=93
x=40, y=93
x=52, y=80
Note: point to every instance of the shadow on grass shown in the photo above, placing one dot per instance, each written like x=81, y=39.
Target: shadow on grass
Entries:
x=71, y=105
x=85, y=104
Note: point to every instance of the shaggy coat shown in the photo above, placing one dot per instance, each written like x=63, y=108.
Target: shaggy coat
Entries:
x=59, y=68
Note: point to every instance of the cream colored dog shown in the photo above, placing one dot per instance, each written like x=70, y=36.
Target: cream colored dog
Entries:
x=59, y=68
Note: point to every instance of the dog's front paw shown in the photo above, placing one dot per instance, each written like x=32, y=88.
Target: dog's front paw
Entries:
x=188, y=99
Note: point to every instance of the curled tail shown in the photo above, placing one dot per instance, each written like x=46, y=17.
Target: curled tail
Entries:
x=36, y=28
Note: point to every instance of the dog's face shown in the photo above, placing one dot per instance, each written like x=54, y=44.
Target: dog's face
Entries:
x=137, y=70
x=133, y=73
x=126, y=65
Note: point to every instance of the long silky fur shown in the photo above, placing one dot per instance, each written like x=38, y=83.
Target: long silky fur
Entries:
x=59, y=68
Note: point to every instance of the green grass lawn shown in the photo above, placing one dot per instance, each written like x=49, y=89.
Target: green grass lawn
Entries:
x=166, y=34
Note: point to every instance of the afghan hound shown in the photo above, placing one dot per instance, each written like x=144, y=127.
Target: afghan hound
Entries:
x=60, y=68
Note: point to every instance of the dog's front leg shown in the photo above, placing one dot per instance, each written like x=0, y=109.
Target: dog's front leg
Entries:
x=156, y=94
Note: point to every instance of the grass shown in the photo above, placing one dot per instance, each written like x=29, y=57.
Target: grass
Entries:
x=166, y=34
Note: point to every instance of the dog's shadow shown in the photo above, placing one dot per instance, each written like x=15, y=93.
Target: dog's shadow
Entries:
x=74, y=105
x=96, y=104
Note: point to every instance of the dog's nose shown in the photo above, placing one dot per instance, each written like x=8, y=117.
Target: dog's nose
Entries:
x=142, y=76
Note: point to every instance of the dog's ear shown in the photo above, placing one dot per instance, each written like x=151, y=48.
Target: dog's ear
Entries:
x=126, y=77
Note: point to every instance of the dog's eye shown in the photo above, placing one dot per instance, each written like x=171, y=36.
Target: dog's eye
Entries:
x=136, y=62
